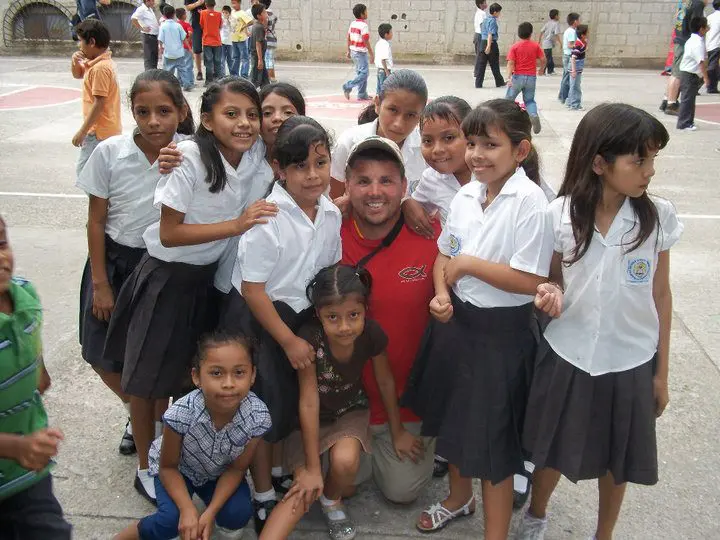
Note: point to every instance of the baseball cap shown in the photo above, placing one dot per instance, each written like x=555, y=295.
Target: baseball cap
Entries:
x=378, y=143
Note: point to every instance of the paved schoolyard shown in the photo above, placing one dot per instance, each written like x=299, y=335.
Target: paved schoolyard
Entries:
x=40, y=112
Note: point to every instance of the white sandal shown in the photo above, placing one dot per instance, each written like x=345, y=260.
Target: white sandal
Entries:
x=441, y=516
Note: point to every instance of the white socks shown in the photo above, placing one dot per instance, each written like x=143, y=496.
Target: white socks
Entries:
x=265, y=496
x=520, y=482
x=278, y=472
x=147, y=481
x=333, y=515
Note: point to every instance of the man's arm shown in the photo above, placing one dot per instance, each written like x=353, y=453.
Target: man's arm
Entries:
x=195, y=5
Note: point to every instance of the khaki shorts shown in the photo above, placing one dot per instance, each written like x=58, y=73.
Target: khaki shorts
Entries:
x=399, y=481
x=678, y=51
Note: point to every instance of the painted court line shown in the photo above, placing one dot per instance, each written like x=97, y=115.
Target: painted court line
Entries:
x=83, y=196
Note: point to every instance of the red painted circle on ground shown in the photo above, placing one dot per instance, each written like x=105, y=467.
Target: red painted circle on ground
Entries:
x=40, y=96
x=335, y=106
x=708, y=112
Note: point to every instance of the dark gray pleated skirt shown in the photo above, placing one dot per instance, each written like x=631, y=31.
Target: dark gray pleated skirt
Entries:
x=120, y=262
x=162, y=311
x=473, y=388
x=276, y=381
x=585, y=426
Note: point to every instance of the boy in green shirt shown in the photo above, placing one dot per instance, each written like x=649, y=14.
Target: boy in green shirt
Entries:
x=28, y=508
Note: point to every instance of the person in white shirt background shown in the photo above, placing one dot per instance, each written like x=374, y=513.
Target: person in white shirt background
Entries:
x=712, y=45
x=228, y=52
x=693, y=72
x=480, y=16
x=383, y=54
x=601, y=375
x=145, y=20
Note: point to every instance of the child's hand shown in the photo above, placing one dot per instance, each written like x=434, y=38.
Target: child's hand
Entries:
x=255, y=214
x=78, y=57
x=299, y=352
x=343, y=204
x=189, y=525
x=441, y=308
x=205, y=525
x=169, y=158
x=306, y=489
x=455, y=269
x=38, y=448
x=417, y=218
x=103, y=301
x=408, y=446
x=662, y=395
x=573, y=74
x=549, y=298
x=78, y=139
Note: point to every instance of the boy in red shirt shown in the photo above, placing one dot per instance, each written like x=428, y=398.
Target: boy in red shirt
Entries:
x=523, y=71
x=210, y=22
x=186, y=71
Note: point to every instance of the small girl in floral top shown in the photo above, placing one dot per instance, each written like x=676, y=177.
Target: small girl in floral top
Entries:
x=334, y=415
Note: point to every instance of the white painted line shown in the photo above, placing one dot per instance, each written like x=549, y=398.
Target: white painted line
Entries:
x=31, y=107
x=41, y=195
x=11, y=92
x=698, y=216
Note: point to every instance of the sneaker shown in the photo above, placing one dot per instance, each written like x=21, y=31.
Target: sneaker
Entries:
x=535, y=121
x=346, y=93
x=440, y=468
x=672, y=109
x=221, y=533
x=127, y=443
x=282, y=484
x=339, y=525
x=145, y=485
x=689, y=128
x=262, y=511
x=199, y=76
x=663, y=105
x=531, y=528
x=364, y=98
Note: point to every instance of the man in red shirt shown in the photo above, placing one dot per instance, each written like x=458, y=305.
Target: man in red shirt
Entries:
x=523, y=70
x=210, y=23
x=402, y=289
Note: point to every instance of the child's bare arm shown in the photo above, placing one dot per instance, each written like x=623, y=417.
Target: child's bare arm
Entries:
x=103, y=298
x=309, y=408
x=34, y=451
x=662, y=296
x=95, y=112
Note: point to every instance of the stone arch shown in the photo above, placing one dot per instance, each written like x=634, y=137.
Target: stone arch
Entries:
x=36, y=20
x=117, y=18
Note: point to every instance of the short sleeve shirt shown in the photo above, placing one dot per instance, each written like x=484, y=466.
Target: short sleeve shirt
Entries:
x=257, y=35
x=240, y=20
x=340, y=383
x=549, y=31
x=490, y=27
x=514, y=229
x=207, y=452
x=358, y=33
x=609, y=321
x=147, y=19
x=569, y=36
x=211, y=22
x=435, y=192
x=525, y=53
x=100, y=80
x=383, y=52
x=480, y=16
x=693, y=55
x=172, y=36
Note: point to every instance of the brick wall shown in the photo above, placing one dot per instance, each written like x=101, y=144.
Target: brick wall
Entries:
x=622, y=33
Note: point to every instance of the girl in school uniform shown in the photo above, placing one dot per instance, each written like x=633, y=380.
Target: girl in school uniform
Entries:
x=164, y=305
x=398, y=107
x=334, y=414
x=275, y=263
x=208, y=441
x=280, y=101
x=495, y=250
x=602, y=372
x=120, y=179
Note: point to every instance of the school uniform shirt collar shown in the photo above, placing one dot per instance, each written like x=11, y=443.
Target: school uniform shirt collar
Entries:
x=478, y=189
x=130, y=148
x=284, y=200
x=412, y=141
x=22, y=300
x=107, y=55
x=621, y=224
x=250, y=159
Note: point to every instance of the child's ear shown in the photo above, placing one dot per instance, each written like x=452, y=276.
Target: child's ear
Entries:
x=523, y=150
x=377, y=105
x=599, y=165
x=204, y=120
x=195, y=377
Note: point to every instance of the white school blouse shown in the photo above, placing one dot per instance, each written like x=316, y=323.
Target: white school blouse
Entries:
x=515, y=229
x=119, y=172
x=186, y=191
x=287, y=252
x=609, y=322
x=435, y=191
x=411, y=152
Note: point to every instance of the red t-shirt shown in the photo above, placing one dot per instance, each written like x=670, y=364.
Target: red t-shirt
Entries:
x=525, y=54
x=187, y=43
x=401, y=291
x=210, y=22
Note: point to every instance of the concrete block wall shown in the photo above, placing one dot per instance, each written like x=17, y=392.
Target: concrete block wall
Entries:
x=630, y=33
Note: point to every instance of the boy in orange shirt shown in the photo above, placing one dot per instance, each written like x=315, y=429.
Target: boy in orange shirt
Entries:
x=101, y=93
x=210, y=22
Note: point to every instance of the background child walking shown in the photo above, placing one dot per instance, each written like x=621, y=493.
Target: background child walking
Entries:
x=172, y=36
x=186, y=68
x=258, y=46
x=334, y=414
x=577, y=66
x=601, y=381
x=693, y=71
x=549, y=35
x=210, y=24
x=383, y=55
x=228, y=52
x=209, y=438
x=489, y=50
x=359, y=51
x=523, y=69
x=568, y=42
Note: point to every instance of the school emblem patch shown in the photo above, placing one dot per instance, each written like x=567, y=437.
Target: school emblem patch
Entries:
x=455, y=245
x=638, y=271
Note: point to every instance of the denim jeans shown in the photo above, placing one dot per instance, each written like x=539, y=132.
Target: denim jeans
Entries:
x=381, y=76
x=565, y=82
x=241, y=60
x=86, y=150
x=213, y=62
x=163, y=524
x=187, y=80
x=362, y=71
x=526, y=85
x=174, y=66
x=550, y=65
x=227, y=58
x=574, y=99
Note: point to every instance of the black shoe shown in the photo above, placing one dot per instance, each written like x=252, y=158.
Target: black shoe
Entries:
x=127, y=443
x=501, y=85
x=264, y=507
x=282, y=484
x=663, y=105
x=520, y=498
x=440, y=468
x=715, y=91
x=672, y=109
